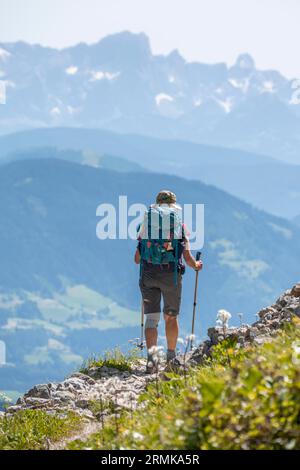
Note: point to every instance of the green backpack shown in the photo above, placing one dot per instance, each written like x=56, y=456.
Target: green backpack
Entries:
x=161, y=235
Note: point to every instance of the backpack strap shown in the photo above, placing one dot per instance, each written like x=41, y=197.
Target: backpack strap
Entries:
x=176, y=263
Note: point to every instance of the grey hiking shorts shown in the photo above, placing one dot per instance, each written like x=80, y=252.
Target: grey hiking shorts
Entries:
x=156, y=283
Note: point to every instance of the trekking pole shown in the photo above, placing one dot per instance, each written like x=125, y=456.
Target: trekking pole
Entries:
x=141, y=345
x=198, y=256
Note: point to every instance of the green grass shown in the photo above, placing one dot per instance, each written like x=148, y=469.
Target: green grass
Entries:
x=98, y=407
x=238, y=400
x=34, y=429
x=115, y=359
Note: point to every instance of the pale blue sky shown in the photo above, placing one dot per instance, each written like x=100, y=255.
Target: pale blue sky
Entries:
x=203, y=30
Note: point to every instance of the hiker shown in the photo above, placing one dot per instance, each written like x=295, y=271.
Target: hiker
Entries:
x=161, y=269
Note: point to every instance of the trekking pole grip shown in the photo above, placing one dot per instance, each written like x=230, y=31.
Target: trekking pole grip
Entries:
x=198, y=255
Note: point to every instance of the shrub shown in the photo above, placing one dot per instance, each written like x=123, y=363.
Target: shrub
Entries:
x=115, y=359
x=34, y=429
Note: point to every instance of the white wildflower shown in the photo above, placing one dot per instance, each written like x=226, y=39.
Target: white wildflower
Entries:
x=179, y=423
x=190, y=338
x=223, y=318
x=137, y=436
x=160, y=353
x=296, y=352
x=155, y=349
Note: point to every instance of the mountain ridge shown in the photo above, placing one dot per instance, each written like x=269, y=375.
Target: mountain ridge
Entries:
x=231, y=170
x=134, y=91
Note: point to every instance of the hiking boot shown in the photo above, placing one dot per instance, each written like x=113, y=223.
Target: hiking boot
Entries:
x=151, y=368
x=173, y=365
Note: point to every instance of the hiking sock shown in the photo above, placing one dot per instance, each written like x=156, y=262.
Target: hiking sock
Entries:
x=170, y=354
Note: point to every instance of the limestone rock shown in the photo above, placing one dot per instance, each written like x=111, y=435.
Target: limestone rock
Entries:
x=37, y=402
x=39, y=391
x=296, y=290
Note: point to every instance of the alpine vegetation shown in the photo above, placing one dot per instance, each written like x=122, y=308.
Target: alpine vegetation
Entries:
x=239, y=389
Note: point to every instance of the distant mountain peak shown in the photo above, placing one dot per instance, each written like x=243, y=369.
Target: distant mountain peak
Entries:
x=127, y=40
x=175, y=56
x=245, y=62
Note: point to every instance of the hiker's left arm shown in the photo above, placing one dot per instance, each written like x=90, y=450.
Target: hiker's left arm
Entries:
x=190, y=260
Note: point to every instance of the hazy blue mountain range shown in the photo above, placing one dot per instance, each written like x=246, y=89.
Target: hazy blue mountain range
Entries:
x=65, y=294
x=260, y=180
x=296, y=219
x=118, y=84
x=83, y=157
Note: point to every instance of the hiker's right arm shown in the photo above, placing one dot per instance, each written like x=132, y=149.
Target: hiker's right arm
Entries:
x=137, y=256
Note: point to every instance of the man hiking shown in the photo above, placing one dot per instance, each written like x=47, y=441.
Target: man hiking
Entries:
x=162, y=243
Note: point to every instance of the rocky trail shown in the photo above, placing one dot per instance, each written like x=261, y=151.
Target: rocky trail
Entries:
x=102, y=391
x=92, y=396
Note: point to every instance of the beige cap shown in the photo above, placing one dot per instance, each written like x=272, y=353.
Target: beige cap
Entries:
x=166, y=197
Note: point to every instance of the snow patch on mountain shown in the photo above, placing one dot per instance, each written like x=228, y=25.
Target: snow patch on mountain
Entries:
x=285, y=232
x=163, y=97
x=268, y=87
x=97, y=75
x=197, y=102
x=227, y=104
x=242, y=84
x=4, y=55
x=72, y=70
x=55, y=111
x=9, y=84
x=71, y=110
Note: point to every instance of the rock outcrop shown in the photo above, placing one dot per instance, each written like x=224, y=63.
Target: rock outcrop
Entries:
x=270, y=319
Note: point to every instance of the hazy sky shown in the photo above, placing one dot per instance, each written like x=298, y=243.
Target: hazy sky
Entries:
x=202, y=30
